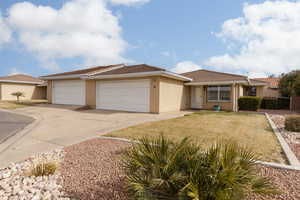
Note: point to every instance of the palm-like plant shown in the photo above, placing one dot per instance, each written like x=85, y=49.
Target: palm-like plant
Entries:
x=160, y=169
x=156, y=167
x=225, y=172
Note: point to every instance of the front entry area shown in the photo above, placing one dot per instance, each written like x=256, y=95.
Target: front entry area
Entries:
x=196, y=97
x=125, y=95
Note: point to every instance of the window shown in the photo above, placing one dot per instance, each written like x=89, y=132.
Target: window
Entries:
x=250, y=91
x=218, y=93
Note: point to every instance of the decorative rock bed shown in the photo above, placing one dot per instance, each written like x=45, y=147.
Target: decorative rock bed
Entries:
x=292, y=138
x=91, y=171
x=16, y=184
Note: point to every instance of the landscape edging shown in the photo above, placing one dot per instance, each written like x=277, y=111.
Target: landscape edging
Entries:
x=292, y=159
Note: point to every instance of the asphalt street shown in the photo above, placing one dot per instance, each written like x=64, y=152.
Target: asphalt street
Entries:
x=10, y=123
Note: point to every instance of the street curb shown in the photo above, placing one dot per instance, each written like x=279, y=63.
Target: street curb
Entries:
x=270, y=164
x=292, y=159
x=19, y=133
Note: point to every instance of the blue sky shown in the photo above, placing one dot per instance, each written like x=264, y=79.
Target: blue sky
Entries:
x=167, y=33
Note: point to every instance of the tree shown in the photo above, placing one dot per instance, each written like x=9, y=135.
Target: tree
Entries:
x=18, y=95
x=289, y=84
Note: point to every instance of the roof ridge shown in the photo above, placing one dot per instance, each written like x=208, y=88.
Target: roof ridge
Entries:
x=160, y=68
x=83, y=69
x=225, y=73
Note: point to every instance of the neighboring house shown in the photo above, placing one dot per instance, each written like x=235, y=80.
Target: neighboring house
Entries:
x=144, y=88
x=272, y=89
x=32, y=88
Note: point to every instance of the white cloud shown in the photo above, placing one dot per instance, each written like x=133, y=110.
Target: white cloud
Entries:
x=185, y=66
x=267, y=36
x=14, y=71
x=5, y=33
x=80, y=28
x=129, y=2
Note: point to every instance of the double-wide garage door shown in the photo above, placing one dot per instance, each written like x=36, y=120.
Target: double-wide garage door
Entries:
x=133, y=95
x=69, y=92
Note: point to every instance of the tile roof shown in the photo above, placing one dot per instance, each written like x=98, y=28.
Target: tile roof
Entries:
x=21, y=78
x=274, y=82
x=212, y=76
x=132, y=69
x=85, y=71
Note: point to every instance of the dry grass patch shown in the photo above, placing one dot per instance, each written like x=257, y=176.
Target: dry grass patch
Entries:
x=247, y=129
x=11, y=105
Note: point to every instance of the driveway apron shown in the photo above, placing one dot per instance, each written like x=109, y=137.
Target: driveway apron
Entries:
x=61, y=126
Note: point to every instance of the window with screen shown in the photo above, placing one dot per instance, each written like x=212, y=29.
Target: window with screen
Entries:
x=218, y=93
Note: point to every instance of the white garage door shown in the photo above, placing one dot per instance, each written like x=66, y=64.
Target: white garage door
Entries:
x=124, y=95
x=69, y=92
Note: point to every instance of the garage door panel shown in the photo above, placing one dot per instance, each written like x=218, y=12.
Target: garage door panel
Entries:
x=69, y=92
x=124, y=95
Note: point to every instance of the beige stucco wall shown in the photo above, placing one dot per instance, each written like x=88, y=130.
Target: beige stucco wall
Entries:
x=90, y=93
x=49, y=91
x=172, y=95
x=30, y=91
x=269, y=92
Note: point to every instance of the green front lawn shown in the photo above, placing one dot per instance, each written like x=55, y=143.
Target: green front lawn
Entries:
x=206, y=128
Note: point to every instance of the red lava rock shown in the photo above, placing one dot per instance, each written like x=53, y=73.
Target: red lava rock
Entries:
x=91, y=170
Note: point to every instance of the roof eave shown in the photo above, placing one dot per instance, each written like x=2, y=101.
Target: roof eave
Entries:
x=61, y=77
x=216, y=82
x=140, y=74
x=25, y=82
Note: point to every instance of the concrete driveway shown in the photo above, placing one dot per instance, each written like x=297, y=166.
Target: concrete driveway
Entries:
x=10, y=123
x=60, y=126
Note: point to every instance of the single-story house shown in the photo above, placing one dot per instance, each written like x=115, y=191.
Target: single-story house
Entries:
x=272, y=89
x=33, y=88
x=144, y=88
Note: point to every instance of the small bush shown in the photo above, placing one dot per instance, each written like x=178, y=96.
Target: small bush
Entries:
x=275, y=103
x=160, y=169
x=249, y=103
x=292, y=123
x=43, y=169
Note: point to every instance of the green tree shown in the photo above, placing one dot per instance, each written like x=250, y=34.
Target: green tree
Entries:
x=18, y=95
x=289, y=84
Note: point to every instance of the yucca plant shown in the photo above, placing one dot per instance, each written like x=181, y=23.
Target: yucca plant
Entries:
x=161, y=169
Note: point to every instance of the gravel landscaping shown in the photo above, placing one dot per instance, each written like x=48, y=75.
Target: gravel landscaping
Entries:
x=292, y=138
x=91, y=170
x=16, y=184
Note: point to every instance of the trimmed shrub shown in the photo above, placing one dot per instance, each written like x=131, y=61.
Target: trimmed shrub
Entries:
x=292, y=123
x=43, y=169
x=249, y=103
x=275, y=103
x=161, y=169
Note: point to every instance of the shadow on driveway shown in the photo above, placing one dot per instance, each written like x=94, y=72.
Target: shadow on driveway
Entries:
x=11, y=123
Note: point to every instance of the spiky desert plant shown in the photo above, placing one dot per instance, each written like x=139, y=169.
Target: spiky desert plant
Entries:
x=225, y=172
x=155, y=167
x=160, y=169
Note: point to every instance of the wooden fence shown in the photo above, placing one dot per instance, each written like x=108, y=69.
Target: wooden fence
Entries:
x=295, y=103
